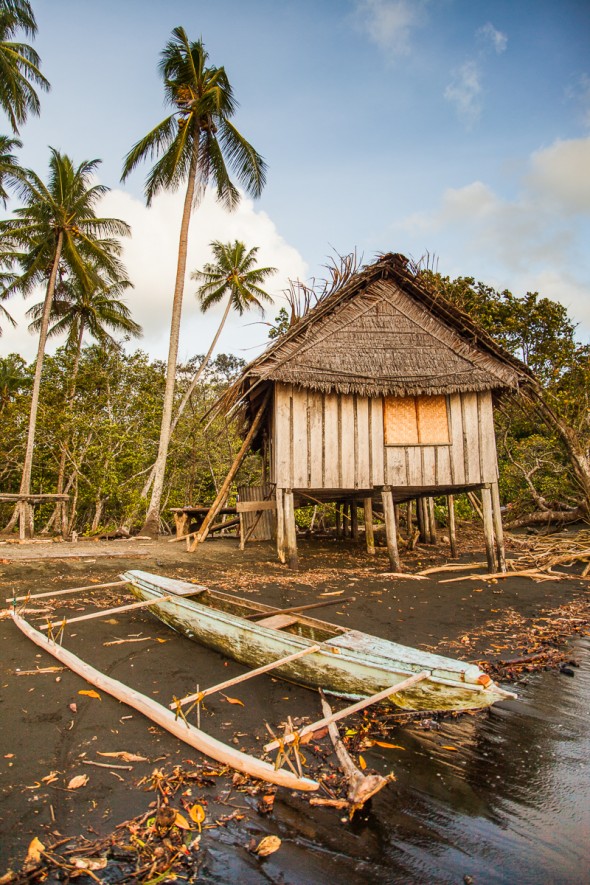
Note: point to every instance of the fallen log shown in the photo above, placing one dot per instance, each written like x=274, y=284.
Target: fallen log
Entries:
x=181, y=729
x=361, y=787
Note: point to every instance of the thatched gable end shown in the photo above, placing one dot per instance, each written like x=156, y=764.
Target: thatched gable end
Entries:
x=382, y=333
x=383, y=342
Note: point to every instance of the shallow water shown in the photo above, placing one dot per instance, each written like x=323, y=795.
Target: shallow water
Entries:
x=510, y=804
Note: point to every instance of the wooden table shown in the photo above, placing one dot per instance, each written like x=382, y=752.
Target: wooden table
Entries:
x=184, y=517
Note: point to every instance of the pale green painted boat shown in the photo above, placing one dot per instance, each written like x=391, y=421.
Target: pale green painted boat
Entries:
x=349, y=663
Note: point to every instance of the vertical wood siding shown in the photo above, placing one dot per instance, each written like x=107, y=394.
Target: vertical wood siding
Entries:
x=336, y=441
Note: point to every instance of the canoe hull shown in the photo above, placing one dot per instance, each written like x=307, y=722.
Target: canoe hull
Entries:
x=338, y=670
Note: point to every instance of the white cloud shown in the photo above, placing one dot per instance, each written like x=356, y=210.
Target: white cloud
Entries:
x=150, y=257
x=527, y=243
x=560, y=175
x=464, y=92
x=389, y=23
x=492, y=37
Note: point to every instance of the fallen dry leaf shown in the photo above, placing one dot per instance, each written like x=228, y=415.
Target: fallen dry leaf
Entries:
x=181, y=822
x=34, y=851
x=90, y=693
x=231, y=700
x=79, y=781
x=267, y=846
x=73, y=708
x=388, y=746
x=49, y=778
x=197, y=814
x=362, y=763
x=449, y=747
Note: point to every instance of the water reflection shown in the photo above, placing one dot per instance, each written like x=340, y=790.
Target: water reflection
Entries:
x=511, y=803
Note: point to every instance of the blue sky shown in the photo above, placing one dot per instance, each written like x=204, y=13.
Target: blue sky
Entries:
x=457, y=127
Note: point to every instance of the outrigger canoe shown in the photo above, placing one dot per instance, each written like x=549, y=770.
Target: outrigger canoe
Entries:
x=345, y=662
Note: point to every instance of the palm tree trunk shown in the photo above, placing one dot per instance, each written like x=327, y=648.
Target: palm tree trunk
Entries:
x=25, y=486
x=188, y=393
x=59, y=515
x=152, y=520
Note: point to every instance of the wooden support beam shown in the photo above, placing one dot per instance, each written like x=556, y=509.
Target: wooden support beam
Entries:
x=348, y=711
x=299, y=608
x=488, y=528
x=409, y=521
x=244, y=676
x=354, y=521
x=452, y=526
x=339, y=520
x=290, y=530
x=369, y=533
x=421, y=519
x=498, y=528
x=111, y=611
x=281, y=545
x=224, y=490
x=431, y=520
x=390, y=529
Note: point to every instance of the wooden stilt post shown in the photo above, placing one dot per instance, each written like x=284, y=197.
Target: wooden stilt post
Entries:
x=369, y=535
x=280, y=527
x=390, y=529
x=397, y=519
x=488, y=528
x=452, y=527
x=290, y=532
x=431, y=520
x=338, y=512
x=498, y=529
x=354, y=521
x=421, y=519
x=224, y=490
x=409, y=525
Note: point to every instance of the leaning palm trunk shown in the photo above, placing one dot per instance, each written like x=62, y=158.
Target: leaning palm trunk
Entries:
x=25, y=486
x=152, y=520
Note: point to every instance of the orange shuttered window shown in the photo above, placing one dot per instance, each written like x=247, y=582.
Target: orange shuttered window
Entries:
x=415, y=420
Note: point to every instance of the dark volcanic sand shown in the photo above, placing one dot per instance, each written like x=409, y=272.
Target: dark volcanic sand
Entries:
x=41, y=734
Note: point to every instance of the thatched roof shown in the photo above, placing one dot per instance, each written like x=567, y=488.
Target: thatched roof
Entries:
x=383, y=333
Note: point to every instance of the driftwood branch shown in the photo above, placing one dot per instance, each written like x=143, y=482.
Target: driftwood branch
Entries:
x=361, y=787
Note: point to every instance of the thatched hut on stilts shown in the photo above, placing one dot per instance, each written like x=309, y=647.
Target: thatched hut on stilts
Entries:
x=381, y=394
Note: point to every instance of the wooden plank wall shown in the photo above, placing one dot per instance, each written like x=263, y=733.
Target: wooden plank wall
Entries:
x=335, y=441
x=326, y=441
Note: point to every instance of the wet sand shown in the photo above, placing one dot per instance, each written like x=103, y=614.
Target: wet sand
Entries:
x=47, y=726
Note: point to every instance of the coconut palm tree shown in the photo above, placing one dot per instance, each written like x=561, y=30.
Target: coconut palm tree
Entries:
x=57, y=228
x=193, y=146
x=77, y=310
x=19, y=63
x=233, y=274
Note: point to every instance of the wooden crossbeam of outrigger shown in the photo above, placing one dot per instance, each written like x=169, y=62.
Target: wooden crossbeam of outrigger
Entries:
x=348, y=711
x=199, y=695
x=111, y=611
